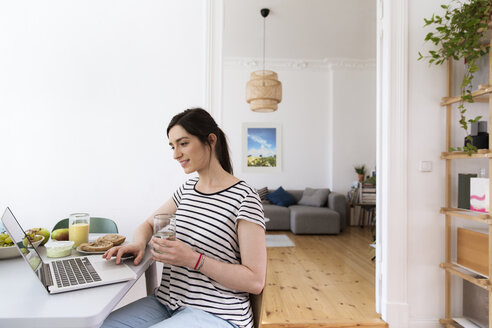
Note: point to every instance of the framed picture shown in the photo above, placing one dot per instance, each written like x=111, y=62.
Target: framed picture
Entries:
x=262, y=147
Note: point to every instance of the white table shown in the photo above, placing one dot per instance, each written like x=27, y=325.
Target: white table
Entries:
x=26, y=303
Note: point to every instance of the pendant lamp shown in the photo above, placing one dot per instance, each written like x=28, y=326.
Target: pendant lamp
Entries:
x=264, y=90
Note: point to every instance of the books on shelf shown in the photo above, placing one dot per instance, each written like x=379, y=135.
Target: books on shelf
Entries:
x=363, y=194
x=368, y=194
x=479, y=194
x=464, y=189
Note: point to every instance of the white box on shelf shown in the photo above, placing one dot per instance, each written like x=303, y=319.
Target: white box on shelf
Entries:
x=479, y=194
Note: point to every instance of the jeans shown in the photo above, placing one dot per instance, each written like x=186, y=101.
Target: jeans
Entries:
x=149, y=312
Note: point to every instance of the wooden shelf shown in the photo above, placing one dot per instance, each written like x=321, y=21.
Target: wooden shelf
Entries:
x=467, y=214
x=459, y=272
x=456, y=321
x=482, y=94
x=481, y=153
x=482, y=91
x=447, y=322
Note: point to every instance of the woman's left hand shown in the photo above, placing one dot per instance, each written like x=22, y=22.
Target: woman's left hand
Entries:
x=173, y=252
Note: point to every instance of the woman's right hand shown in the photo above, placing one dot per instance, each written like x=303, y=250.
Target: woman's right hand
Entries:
x=138, y=250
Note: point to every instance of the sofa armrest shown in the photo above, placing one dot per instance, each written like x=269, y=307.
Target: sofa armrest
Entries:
x=338, y=202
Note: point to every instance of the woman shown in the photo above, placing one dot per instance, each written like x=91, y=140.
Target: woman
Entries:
x=219, y=254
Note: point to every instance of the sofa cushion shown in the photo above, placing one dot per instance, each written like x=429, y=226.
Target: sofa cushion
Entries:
x=262, y=192
x=314, y=220
x=281, y=197
x=314, y=197
x=276, y=217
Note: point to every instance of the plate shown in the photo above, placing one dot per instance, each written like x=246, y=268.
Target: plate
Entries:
x=91, y=253
x=12, y=251
x=9, y=252
x=88, y=253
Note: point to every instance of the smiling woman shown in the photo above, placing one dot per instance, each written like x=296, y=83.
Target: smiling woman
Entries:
x=218, y=256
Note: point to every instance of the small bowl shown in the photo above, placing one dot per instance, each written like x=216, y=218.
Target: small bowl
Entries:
x=60, y=248
x=36, y=243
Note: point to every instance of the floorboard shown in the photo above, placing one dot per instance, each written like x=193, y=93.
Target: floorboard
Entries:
x=325, y=281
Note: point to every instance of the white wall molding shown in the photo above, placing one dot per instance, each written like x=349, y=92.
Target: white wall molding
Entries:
x=299, y=64
x=392, y=161
x=213, y=44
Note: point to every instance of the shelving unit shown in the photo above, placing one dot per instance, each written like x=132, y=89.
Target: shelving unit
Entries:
x=482, y=94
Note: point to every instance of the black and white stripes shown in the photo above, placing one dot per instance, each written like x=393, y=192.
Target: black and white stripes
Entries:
x=208, y=223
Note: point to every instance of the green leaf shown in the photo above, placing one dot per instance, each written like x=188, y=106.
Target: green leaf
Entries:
x=476, y=119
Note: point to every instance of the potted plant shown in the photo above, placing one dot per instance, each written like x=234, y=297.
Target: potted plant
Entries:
x=459, y=34
x=370, y=180
x=361, y=171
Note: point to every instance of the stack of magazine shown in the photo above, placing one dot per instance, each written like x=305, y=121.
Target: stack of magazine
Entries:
x=367, y=194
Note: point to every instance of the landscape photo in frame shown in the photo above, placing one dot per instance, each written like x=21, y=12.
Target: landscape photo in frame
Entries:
x=261, y=147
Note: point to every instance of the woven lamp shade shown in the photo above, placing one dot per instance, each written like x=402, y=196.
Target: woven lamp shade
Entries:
x=264, y=91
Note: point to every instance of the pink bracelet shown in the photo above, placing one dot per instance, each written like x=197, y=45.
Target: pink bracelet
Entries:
x=198, y=262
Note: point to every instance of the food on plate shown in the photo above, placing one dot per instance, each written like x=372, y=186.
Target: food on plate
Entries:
x=5, y=240
x=115, y=239
x=40, y=231
x=60, y=234
x=96, y=246
x=32, y=238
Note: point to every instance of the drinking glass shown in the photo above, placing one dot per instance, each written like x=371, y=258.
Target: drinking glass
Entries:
x=165, y=226
x=78, y=228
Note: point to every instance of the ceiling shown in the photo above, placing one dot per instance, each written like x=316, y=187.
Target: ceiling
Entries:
x=301, y=29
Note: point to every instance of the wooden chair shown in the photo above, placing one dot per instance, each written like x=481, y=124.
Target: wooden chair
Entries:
x=96, y=225
x=256, y=307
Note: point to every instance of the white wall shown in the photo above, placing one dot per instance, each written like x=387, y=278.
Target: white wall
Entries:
x=312, y=29
x=426, y=141
x=327, y=116
x=354, y=123
x=86, y=92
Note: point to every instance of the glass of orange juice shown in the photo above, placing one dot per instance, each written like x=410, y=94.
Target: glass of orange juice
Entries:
x=78, y=228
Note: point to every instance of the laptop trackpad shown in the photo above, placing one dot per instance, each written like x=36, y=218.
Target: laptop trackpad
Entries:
x=109, y=270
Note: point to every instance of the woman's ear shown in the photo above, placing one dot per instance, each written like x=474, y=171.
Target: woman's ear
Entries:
x=212, y=139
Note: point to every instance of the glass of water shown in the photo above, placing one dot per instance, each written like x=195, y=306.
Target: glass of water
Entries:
x=165, y=226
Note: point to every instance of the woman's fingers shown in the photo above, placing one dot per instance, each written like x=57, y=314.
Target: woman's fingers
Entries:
x=139, y=257
x=109, y=253
x=173, y=252
x=119, y=251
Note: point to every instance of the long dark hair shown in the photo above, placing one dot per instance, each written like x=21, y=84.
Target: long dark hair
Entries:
x=198, y=122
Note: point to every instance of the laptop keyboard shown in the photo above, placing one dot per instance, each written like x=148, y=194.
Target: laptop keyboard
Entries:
x=72, y=272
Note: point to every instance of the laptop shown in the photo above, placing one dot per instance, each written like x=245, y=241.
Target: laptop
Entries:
x=66, y=274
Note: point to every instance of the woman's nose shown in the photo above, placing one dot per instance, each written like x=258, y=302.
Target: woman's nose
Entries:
x=176, y=153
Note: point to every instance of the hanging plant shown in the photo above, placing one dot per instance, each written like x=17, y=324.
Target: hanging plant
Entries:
x=459, y=34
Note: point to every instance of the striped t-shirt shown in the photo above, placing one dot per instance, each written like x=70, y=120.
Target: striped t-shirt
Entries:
x=208, y=223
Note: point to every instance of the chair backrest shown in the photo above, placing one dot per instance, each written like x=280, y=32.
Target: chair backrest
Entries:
x=256, y=301
x=97, y=225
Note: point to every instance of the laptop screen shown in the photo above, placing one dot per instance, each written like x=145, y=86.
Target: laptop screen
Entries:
x=25, y=247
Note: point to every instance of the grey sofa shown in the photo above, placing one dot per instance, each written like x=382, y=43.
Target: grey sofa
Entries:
x=303, y=219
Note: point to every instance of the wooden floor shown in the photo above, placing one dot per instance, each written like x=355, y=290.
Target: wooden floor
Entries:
x=325, y=281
